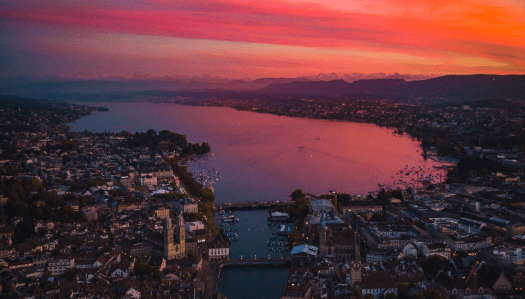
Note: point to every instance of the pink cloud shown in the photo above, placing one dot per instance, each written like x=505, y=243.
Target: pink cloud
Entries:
x=429, y=29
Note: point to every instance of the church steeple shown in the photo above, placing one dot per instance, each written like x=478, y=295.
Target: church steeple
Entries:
x=322, y=235
x=355, y=270
x=357, y=253
x=182, y=233
x=169, y=246
x=322, y=224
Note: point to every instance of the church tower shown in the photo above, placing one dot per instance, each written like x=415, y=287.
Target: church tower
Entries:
x=322, y=236
x=182, y=236
x=355, y=270
x=169, y=246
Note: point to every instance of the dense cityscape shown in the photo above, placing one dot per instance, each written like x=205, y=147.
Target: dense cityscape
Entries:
x=293, y=149
x=109, y=215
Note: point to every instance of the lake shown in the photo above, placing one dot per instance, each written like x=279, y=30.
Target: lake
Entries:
x=261, y=157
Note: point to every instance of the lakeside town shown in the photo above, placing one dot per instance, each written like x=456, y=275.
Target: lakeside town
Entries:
x=110, y=215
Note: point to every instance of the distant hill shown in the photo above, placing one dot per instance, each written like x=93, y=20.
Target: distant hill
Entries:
x=453, y=86
x=467, y=86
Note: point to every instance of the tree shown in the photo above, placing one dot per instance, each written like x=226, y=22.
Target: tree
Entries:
x=157, y=274
x=358, y=293
x=434, y=264
x=402, y=290
x=205, y=148
x=142, y=269
x=46, y=274
x=10, y=169
x=66, y=159
x=207, y=195
x=15, y=207
x=390, y=296
x=68, y=144
x=24, y=229
x=32, y=186
x=70, y=272
x=298, y=194
x=432, y=294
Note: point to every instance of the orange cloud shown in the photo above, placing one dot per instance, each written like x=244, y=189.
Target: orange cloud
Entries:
x=488, y=33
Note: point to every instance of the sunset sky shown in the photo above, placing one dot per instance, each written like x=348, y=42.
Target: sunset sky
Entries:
x=250, y=39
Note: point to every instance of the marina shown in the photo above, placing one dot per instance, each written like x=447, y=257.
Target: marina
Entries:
x=206, y=173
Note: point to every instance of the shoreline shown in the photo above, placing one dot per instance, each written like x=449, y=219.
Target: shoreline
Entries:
x=393, y=131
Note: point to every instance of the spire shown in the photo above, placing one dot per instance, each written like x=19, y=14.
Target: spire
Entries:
x=356, y=248
x=168, y=224
x=322, y=224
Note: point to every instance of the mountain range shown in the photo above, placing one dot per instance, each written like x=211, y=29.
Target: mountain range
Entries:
x=450, y=86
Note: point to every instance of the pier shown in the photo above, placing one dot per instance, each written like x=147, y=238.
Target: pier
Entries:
x=252, y=205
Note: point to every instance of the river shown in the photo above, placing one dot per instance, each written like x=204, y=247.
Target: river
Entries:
x=240, y=282
x=261, y=157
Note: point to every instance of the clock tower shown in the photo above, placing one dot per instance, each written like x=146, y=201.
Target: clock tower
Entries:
x=355, y=269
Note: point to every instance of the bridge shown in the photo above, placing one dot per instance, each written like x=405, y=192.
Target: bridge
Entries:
x=256, y=261
x=268, y=261
x=252, y=205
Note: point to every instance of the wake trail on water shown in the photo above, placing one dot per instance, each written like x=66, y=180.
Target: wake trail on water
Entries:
x=288, y=149
x=332, y=155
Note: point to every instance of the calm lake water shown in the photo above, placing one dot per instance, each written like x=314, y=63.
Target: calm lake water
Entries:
x=260, y=157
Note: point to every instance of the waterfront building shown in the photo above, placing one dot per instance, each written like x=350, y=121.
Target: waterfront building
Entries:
x=276, y=216
x=219, y=249
x=355, y=206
